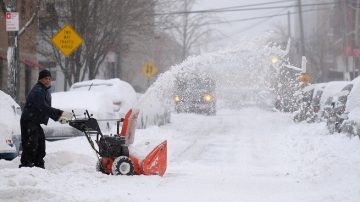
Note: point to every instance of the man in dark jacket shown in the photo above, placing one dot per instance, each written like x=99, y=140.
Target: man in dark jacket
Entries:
x=37, y=110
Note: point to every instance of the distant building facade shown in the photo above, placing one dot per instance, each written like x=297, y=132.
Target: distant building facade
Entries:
x=29, y=66
x=331, y=37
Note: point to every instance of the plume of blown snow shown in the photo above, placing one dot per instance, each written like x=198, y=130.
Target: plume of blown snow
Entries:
x=239, y=72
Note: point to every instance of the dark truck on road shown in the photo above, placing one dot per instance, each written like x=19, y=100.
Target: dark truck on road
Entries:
x=195, y=95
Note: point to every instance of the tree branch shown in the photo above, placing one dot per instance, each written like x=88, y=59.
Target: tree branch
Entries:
x=31, y=20
x=3, y=7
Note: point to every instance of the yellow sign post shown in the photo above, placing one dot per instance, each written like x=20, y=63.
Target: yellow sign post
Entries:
x=149, y=70
x=67, y=40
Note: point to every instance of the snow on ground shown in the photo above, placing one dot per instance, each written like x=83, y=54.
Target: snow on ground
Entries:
x=238, y=155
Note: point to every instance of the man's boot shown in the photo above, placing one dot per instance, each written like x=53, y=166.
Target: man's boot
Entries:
x=26, y=165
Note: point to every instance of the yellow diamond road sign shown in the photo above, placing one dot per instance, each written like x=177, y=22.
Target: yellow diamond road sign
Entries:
x=67, y=40
x=149, y=70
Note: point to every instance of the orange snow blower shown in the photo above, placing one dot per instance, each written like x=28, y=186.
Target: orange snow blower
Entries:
x=113, y=153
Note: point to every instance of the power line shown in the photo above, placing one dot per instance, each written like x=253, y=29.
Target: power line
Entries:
x=251, y=5
x=265, y=18
x=253, y=25
x=242, y=9
x=255, y=18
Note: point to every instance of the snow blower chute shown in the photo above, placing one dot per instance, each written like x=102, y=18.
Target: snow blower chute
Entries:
x=112, y=151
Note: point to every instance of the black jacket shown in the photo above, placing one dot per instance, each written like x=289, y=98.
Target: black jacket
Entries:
x=38, y=108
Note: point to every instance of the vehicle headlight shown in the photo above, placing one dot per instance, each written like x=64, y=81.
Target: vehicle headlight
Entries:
x=177, y=98
x=208, y=98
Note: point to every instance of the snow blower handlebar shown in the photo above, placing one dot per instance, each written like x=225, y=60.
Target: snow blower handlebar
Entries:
x=89, y=126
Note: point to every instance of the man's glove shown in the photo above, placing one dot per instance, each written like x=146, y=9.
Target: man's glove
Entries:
x=65, y=117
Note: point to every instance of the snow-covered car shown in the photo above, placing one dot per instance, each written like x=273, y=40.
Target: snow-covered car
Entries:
x=196, y=94
x=309, y=102
x=351, y=116
x=106, y=100
x=330, y=90
x=121, y=93
x=9, y=127
x=336, y=110
x=315, y=103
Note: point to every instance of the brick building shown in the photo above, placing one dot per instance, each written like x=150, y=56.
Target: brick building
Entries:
x=29, y=66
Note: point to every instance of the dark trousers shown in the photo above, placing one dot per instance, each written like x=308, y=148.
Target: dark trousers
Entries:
x=33, y=144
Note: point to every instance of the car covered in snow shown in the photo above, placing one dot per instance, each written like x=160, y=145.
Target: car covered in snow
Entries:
x=106, y=100
x=351, y=115
x=195, y=94
x=336, y=110
x=10, y=136
x=308, y=100
x=331, y=89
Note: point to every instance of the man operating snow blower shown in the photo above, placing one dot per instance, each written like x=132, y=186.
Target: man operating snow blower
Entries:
x=37, y=110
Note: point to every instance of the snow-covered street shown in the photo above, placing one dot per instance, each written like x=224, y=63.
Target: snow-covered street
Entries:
x=249, y=154
x=180, y=101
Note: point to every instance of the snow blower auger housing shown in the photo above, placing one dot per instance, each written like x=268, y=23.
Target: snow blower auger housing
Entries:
x=113, y=152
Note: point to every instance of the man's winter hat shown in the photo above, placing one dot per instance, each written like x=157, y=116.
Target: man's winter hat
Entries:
x=44, y=73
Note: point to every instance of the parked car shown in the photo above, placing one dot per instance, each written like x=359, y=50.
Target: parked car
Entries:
x=195, y=94
x=9, y=127
x=106, y=100
x=121, y=93
x=336, y=111
x=309, y=103
x=351, y=116
x=319, y=90
x=330, y=90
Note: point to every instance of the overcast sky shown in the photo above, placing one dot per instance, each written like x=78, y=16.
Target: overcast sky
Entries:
x=232, y=31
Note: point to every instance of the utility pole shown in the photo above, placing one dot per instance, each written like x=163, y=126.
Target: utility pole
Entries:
x=13, y=57
x=301, y=29
x=185, y=31
x=357, y=24
x=289, y=24
x=346, y=43
x=356, y=35
x=13, y=51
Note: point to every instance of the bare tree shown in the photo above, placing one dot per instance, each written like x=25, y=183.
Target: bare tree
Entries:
x=280, y=34
x=104, y=26
x=188, y=28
